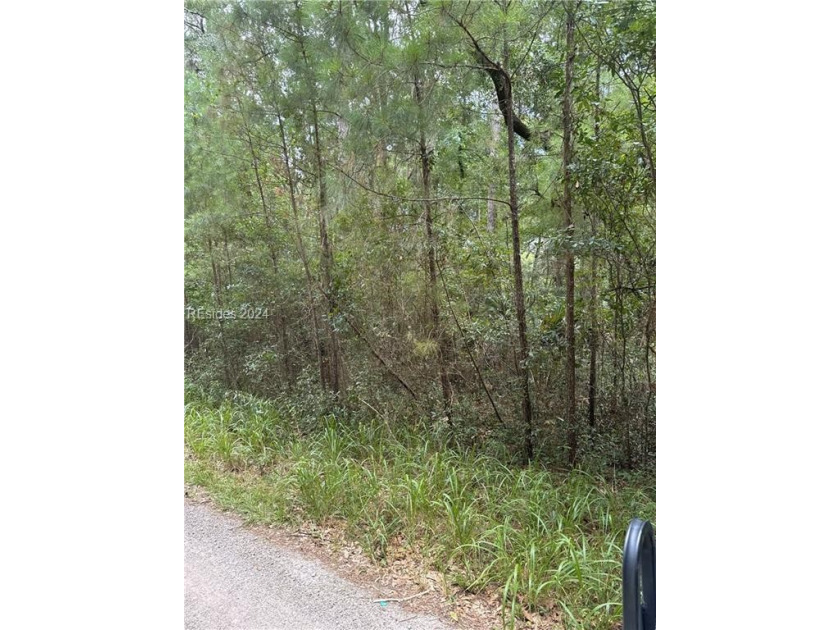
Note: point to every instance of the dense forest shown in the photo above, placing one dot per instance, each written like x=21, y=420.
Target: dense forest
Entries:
x=443, y=208
x=420, y=282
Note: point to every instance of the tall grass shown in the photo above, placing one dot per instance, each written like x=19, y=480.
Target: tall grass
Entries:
x=545, y=541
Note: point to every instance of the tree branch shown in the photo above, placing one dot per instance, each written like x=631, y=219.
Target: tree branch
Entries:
x=362, y=336
x=412, y=199
x=501, y=81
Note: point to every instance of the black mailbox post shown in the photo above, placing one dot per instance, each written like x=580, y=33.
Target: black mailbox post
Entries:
x=639, y=577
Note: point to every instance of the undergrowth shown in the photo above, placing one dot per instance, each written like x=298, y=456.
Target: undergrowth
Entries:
x=548, y=542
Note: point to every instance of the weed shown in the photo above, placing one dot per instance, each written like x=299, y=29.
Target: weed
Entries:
x=545, y=541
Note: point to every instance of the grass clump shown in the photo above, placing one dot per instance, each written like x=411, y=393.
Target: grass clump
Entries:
x=547, y=542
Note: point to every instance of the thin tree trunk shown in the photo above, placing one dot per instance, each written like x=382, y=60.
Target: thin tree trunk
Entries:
x=519, y=291
x=192, y=341
x=623, y=403
x=267, y=217
x=326, y=256
x=269, y=227
x=613, y=283
x=568, y=231
x=334, y=368
x=593, y=301
x=593, y=341
x=227, y=257
x=637, y=102
x=230, y=373
x=291, y=183
x=287, y=360
x=491, y=190
x=441, y=338
x=651, y=386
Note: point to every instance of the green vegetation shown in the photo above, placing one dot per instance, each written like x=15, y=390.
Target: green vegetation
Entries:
x=544, y=539
x=360, y=219
x=420, y=280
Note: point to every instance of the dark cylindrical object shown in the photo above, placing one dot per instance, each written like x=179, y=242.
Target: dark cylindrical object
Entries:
x=639, y=577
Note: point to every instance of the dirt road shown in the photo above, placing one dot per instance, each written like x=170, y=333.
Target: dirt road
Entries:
x=234, y=578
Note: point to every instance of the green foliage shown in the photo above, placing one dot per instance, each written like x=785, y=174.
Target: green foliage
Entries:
x=357, y=67
x=546, y=541
x=305, y=128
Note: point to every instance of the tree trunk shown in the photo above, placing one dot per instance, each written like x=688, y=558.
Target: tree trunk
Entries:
x=593, y=341
x=593, y=298
x=568, y=231
x=310, y=298
x=269, y=227
x=651, y=385
x=326, y=257
x=444, y=353
x=287, y=359
x=624, y=407
x=491, y=190
x=231, y=382
x=334, y=367
x=192, y=341
x=519, y=291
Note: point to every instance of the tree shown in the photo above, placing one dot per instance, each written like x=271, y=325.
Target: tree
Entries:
x=343, y=163
x=569, y=232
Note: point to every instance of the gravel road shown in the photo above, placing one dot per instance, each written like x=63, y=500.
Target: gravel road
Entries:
x=234, y=578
